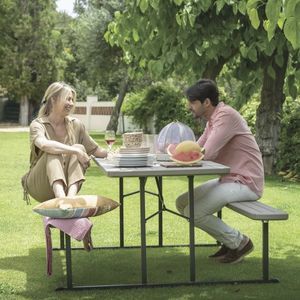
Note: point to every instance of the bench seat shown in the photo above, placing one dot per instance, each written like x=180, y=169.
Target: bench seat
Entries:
x=256, y=210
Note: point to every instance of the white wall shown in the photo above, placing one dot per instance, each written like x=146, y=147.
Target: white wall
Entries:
x=96, y=115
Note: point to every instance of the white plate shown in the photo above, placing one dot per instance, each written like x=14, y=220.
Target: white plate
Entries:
x=133, y=161
x=134, y=150
x=133, y=164
x=134, y=156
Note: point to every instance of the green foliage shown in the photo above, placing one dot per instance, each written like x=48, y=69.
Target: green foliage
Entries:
x=292, y=22
x=31, y=48
x=253, y=13
x=96, y=67
x=83, y=89
x=273, y=9
x=290, y=138
x=289, y=144
x=176, y=38
x=229, y=89
x=248, y=111
x=162, y=101
x=277, y=15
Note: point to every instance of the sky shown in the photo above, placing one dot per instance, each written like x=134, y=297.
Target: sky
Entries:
x=65, y=5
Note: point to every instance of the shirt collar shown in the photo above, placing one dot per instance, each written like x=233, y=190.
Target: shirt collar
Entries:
x=45, y=119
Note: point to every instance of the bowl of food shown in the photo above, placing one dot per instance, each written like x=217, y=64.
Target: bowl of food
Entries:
x=133, y=139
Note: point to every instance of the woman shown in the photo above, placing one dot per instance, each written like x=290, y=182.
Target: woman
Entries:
x=60, y=147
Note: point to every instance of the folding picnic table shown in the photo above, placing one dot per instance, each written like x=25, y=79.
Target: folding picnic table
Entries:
x=142, y=173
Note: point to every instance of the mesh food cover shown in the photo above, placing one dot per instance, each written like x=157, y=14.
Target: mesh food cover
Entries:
x=174, y=133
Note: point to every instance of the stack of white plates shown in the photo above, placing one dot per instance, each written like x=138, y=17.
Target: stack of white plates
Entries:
x=139, y=150
x=133, y=159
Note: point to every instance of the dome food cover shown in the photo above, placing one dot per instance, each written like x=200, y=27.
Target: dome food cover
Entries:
x=174, y=133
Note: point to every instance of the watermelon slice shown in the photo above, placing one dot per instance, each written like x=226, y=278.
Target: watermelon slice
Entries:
x=171, y=149
x=186, y=153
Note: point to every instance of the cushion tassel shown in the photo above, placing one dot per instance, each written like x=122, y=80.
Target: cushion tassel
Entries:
x=26, y=197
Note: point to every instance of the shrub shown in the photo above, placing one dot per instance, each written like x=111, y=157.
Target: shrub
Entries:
x=289, y=147
x=161, y=101
x=289, y=142
x=248, y=111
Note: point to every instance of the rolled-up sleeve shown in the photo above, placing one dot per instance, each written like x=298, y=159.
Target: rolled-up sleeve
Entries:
x=36, y=130
x=87, y=141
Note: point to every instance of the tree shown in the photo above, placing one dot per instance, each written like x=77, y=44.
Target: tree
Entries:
x=166, y=37
x=276, y=49
x=97, y=63
x=30, y=50
x=197, y=38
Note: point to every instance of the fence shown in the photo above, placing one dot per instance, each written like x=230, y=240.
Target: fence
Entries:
x=96, y=115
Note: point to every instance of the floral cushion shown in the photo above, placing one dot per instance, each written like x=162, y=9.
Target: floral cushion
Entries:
x=76, y=207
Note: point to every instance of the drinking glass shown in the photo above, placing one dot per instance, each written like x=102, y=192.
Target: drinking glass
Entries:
x=110, y=138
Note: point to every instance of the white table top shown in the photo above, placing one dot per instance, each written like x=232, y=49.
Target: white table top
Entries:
x=207, y=168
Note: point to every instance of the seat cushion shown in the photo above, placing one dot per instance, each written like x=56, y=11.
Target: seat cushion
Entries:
x=80, y=206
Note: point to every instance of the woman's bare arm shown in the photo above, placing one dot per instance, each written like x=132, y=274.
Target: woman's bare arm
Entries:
x=54, y=147
x=100, y=152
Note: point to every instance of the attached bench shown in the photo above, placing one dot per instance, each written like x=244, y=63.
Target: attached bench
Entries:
x=252, y=209
x=256, y=210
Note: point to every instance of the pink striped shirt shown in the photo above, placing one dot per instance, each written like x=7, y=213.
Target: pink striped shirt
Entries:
x=228, y=140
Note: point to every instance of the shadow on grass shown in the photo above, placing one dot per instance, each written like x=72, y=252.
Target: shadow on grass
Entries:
x=164, y=265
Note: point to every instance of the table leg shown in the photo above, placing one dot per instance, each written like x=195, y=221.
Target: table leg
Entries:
x=219, y=215
x=192, y=229
x=69, y=262
x=265, y=252
x=62, y=240
x=121, y=210
x=160, y=209
x=143, y=230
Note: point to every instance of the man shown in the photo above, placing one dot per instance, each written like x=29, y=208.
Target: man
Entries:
x=226, y=140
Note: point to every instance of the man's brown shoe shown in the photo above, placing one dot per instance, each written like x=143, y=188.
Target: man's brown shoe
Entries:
x=220, y=253
x=234, y=256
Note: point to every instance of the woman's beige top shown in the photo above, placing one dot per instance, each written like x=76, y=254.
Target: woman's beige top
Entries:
x=42, y=127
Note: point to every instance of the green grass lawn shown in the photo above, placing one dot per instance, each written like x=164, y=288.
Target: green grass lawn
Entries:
x=22, y=243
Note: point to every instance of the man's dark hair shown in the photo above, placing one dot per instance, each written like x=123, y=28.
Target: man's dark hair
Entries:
x=202, y=89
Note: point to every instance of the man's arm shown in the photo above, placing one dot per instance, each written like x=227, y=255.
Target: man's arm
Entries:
x=202, y=140
x=222, y=131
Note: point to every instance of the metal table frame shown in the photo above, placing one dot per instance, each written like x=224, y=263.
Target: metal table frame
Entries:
x=208, y=168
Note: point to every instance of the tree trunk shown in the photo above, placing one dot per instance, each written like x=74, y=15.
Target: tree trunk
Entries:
x=214, y=68
x=269, y=112
x=113, y=122
x=24, y=111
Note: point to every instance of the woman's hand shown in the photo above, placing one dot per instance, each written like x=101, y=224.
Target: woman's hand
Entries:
x=83, y=158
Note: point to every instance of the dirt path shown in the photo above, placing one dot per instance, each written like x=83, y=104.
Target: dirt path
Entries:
x=13, y=127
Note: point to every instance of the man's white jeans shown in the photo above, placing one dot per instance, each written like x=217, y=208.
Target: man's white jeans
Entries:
x=210, y=197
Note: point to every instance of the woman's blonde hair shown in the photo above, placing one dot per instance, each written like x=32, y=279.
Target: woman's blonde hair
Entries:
x=55, y=92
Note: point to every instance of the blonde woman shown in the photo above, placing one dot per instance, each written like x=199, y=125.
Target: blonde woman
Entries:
x=60, y=147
